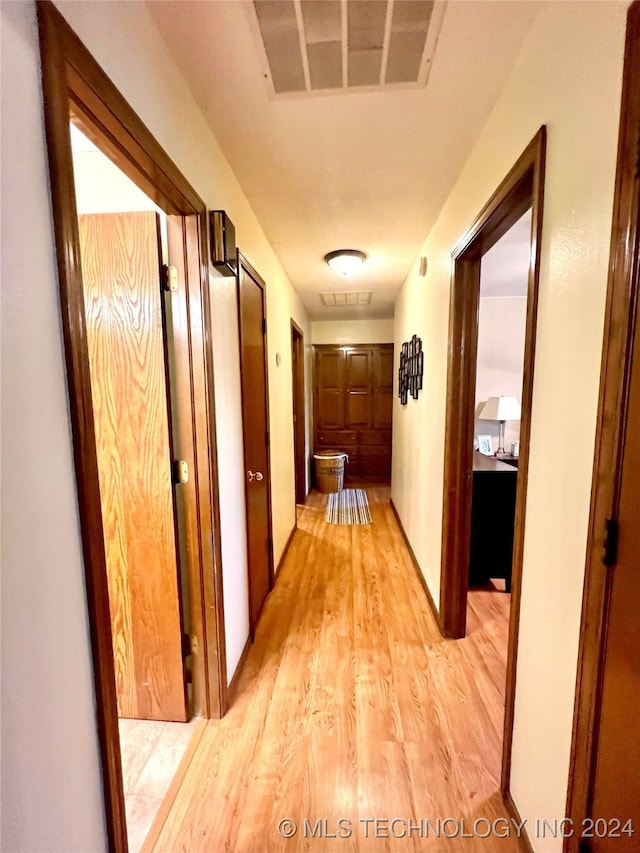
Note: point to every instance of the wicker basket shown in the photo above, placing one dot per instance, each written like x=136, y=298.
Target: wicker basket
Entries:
x=329, y=470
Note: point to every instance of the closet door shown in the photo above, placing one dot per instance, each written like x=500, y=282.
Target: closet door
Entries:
x=358, y=364
x=353, y=407
x=254, y=376
x=329, y=389
x=382, y=381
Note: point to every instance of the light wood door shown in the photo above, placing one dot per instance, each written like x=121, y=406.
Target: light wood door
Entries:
x=121, y=274
x=255, y=416
x=616, y=779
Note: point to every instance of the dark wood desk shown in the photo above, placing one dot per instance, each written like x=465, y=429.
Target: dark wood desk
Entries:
x=510, y=460
x=492, y=519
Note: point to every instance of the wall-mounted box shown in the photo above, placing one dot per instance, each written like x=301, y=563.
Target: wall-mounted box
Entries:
x=222, y=239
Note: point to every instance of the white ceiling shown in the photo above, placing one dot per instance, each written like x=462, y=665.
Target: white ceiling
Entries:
x=366, y=169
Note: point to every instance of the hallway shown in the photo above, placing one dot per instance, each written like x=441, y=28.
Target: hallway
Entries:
x=351, y=706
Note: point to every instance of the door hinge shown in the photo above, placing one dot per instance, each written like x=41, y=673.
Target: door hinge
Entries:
x=610, y=557
x=170, y=278
x=180, y=471
x=264, y=326
x=189, y=645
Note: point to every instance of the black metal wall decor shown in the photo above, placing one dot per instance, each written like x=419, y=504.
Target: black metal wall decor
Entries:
x=411, y=369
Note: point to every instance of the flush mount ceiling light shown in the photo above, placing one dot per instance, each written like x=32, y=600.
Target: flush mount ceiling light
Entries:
x=345, y=261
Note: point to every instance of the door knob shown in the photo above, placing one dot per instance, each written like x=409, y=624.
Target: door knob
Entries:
x=257, y=476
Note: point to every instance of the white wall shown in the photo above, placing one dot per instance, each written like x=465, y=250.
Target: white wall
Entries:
x=352, y=332
x=501, y=333
x=101, y=187
x=568, y=76
x=52, y=799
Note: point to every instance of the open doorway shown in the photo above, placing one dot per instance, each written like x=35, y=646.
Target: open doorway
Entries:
x=124, y=250
x=502, y=314
x=521, y=191
x=76, y=90
x=502, y=319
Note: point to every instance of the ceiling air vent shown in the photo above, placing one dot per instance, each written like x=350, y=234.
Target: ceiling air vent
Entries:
x=346, y=297
x=332, y=45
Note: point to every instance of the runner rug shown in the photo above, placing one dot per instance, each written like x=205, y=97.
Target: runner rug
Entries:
x=350, y=506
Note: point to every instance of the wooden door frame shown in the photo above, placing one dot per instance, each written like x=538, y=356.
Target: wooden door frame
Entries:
x=522, y=188
x=243, y=263
x=620, y=334
x=74, y=84
x=299, y=431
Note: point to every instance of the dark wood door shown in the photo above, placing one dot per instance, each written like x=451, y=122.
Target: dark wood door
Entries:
x=120, y=256
x=255, y=416
x=616, y=779
x=353, y=400
x=382, y=405
x=299, y=417
x=358, y=382
x=329, y=372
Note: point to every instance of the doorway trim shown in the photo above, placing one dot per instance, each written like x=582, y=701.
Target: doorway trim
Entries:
x=74, y=84
x=243, y=263
x=299, y=425
x=523, y=188
x=623, y=293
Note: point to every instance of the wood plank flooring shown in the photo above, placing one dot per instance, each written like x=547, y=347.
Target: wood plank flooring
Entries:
x=351, y=706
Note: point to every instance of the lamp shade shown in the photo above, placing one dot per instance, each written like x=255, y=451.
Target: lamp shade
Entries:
x=500, y=409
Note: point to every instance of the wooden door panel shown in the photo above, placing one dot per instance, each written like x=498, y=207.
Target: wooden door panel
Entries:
x=121, y=274
x=329, y=369
x=375, y=462
x=384, y=368
x=383, y=387
x=252, y=312
x=329, y=398
x=616, y=784
x=382, y=408
x=358, y=410
x=330, y=408
x=358, y=369
x=375, y=436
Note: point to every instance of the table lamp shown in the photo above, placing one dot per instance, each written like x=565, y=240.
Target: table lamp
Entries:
x=500, y=409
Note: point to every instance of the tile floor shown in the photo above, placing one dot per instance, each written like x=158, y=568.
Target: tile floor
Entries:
x=151, y=754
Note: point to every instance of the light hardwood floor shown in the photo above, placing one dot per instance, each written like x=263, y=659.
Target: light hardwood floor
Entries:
x=351, y=706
